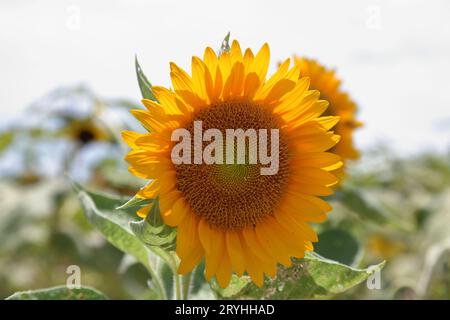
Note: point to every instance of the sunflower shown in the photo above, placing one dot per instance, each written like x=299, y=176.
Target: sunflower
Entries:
x=384, y=247
x=85, y=131
x=237, y=219
x=326, y=82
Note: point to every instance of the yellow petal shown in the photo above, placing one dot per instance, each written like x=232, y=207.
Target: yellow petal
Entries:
x=252, y=241
x=211, y=61
x=169, y=101
x=180, y=79
x=236, y=52
x=150, y=191
x=272, y=243
x=281, y=88
x=143, y=212
x=277, y=76
x=260, y=63
x=316, y=143
x=328, y=122
x=248, y=60
x=177, y=213
x=187, y=236
x=198, y=77
x=130, y=137
x=292, y=237
x=316, y=159
x=235, y=252
x=303, y=231
x=148, y=123
x=302, y=209
x=188, y=263
x=314, y=176
x=213, y=242
x=225, y=65
x=167, y=200
x=223, y=273
x=235, y=83
x=291, y=100
x=251, y=85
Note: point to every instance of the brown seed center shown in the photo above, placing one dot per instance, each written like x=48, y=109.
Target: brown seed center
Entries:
x=234, y=196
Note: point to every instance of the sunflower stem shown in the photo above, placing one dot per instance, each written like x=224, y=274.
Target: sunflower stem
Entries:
x=173, y=263
x=186, y=285
x=157, y=282
x=178, y=287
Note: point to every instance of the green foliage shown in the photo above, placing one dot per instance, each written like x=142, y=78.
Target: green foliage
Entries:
x=355, y=201
x=149, y=240
x=198, y=278
x=337, y=244
x=134, y=203
x=225, y=46
x=114, y=225
x=310, y=277
x=6, y=138
x=144, y=85
x=59, y=293
x=153, y=232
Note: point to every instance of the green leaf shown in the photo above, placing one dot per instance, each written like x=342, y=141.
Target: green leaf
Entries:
x=144, y=85
x=59, y=293
x=338, y=245
x=199, y=288
x=356, y=202
x=225, y=46
x=198, y=278
x=114, y=225
x=153, y=232
x=135, y=202
x=6, y=138
x=106, y=201
x=310, y=277
x=237, y=288
x=167, y=276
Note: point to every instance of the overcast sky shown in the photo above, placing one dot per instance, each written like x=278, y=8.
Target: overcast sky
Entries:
x=393, y=56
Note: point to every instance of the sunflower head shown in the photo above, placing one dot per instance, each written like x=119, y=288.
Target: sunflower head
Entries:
x=230, y=214
x=325, y=81
x=85, y=131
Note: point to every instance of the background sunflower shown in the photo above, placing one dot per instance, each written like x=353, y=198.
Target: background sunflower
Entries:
x=85, y=131
x=326, y=82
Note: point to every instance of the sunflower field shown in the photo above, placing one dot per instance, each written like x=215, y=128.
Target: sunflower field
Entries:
x=94, y=206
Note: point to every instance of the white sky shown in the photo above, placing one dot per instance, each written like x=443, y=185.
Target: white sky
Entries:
x=393, y=56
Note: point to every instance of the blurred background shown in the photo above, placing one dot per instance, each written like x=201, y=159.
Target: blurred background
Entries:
x=68, y=81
